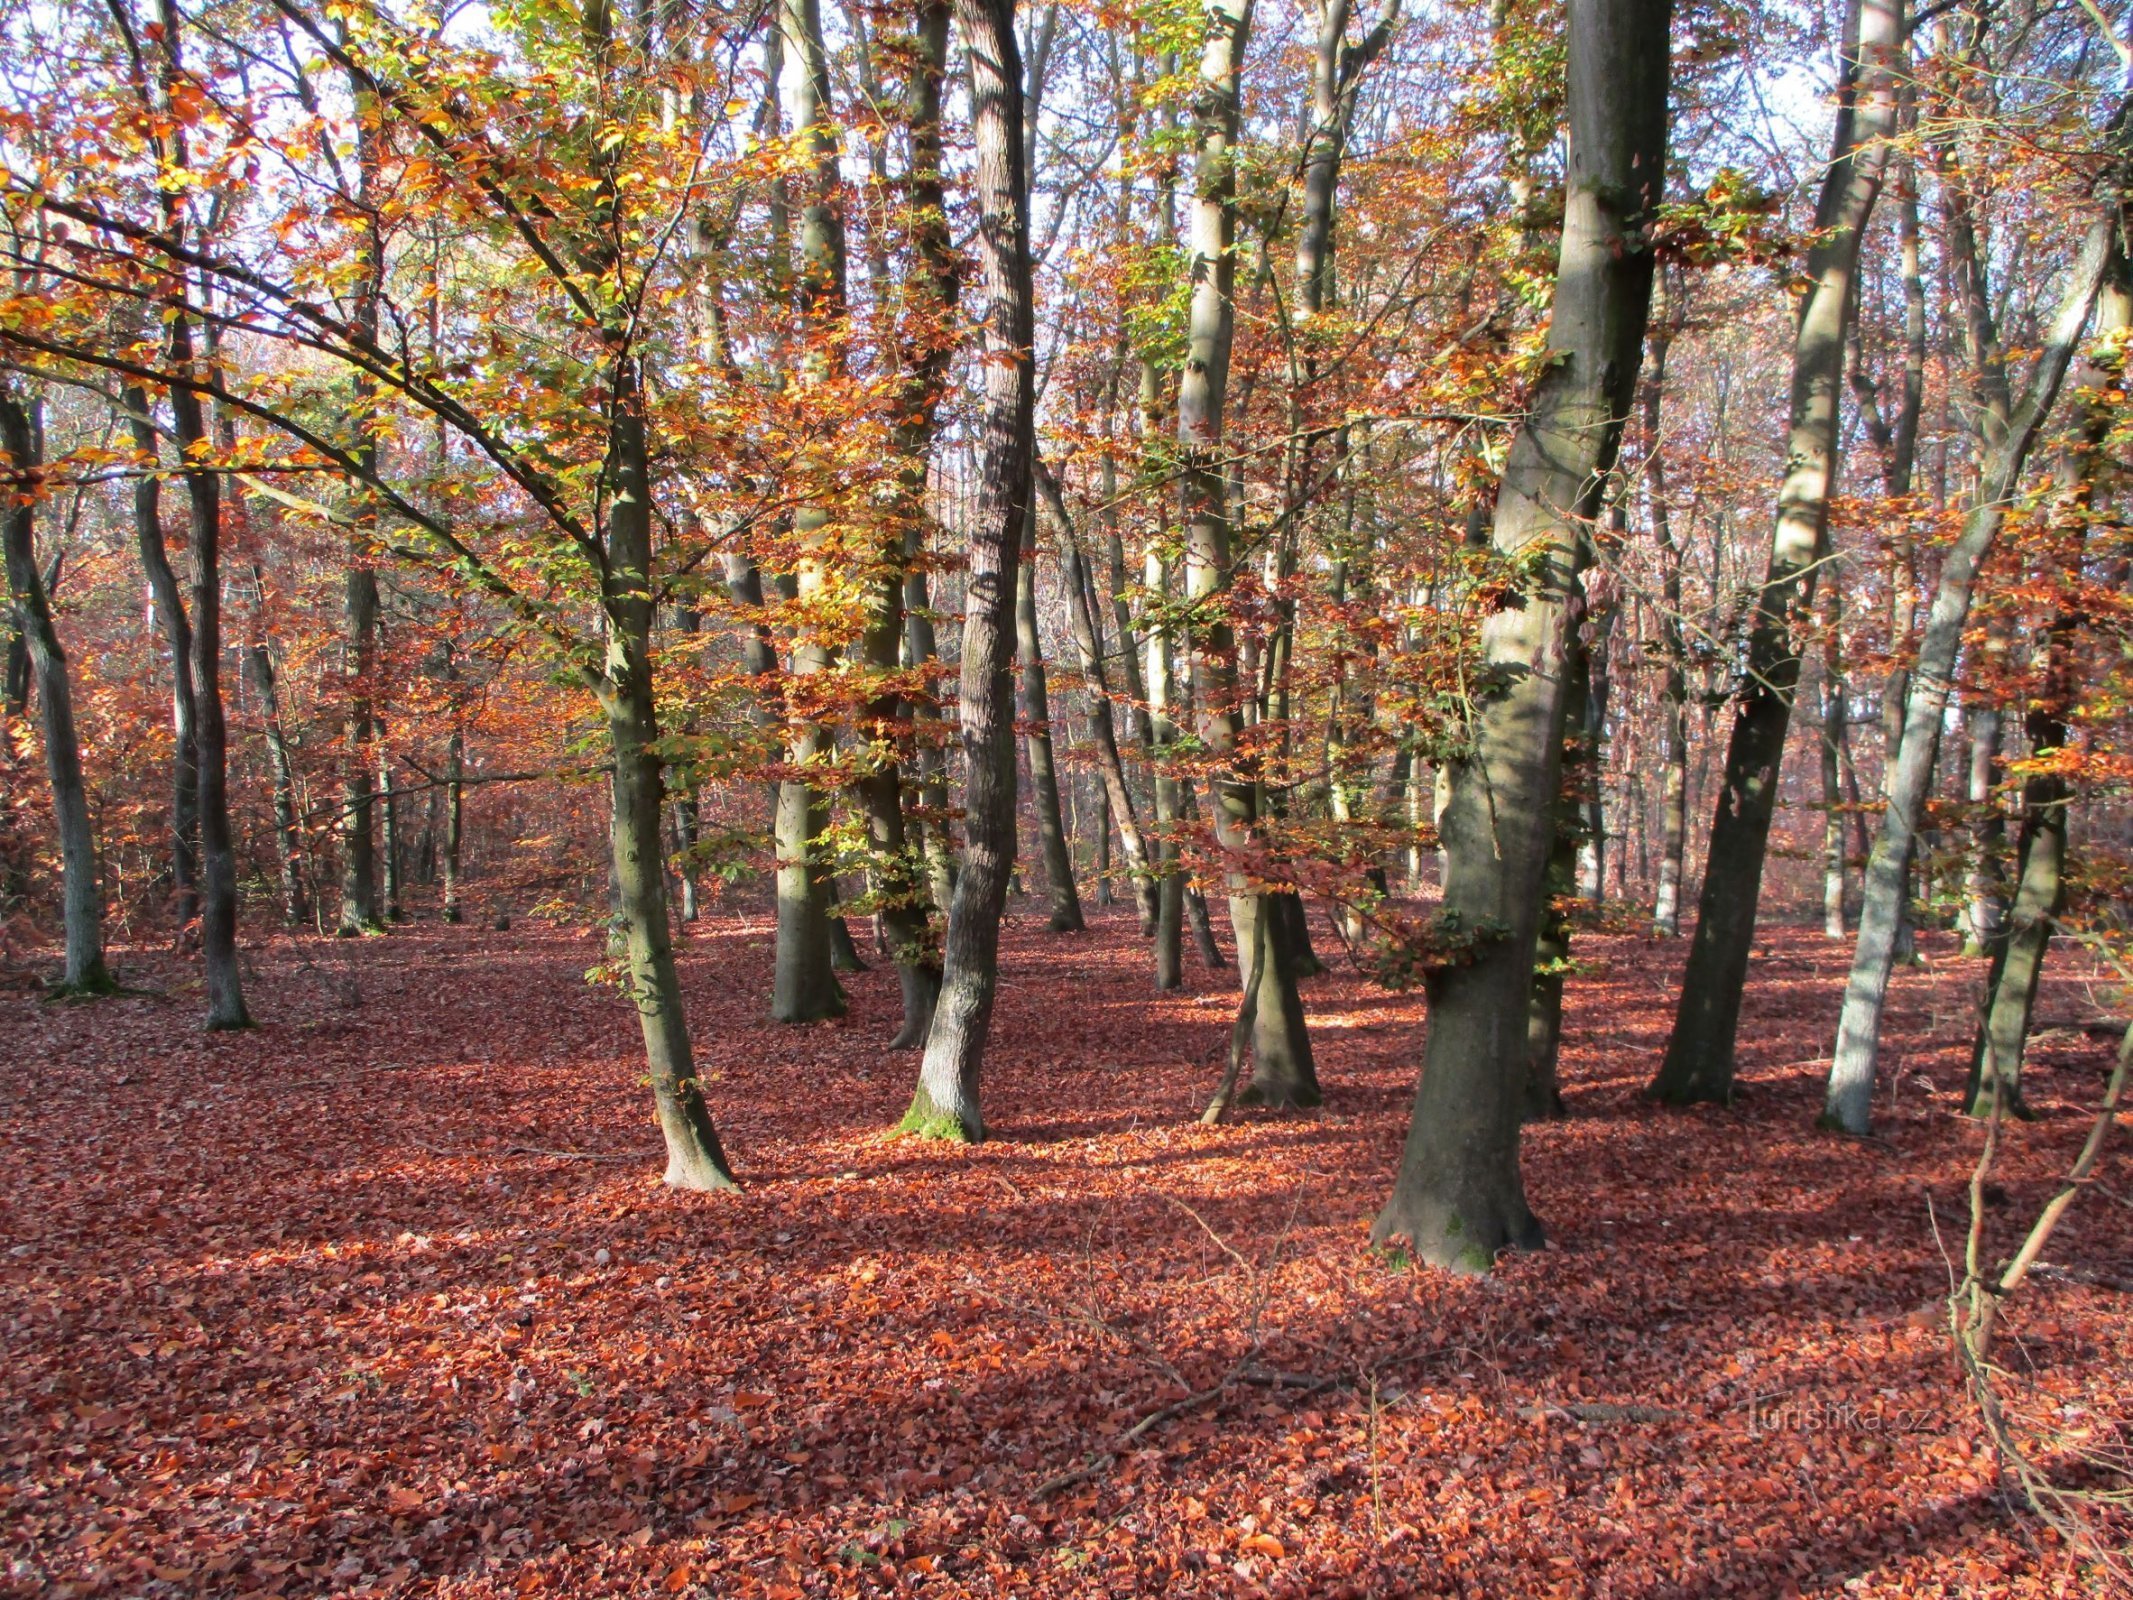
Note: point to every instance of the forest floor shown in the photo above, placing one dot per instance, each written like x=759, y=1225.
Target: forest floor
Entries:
x=386, y=1298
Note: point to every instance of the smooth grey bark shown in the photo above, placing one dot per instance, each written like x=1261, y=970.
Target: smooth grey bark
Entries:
x=1283, y=1073
x=946, y=1102
x=1699, y=1055
x=1848, y=1100
x=1986, y=907
x=804, y=987
x=1673, y=643
x=82, y=899
x=1059, y=887
x=1459, y=1198
x=178, y=639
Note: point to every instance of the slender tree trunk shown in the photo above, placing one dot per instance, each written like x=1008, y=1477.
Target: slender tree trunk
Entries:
x=1834, y=875
x=360, y=911
x=178, y=639
x=1986, y=907
x=1459, y=1197
x=1283, y=1073
x=1699, y=1055
x=455, y=763
x=391, y=850
x=1851, y=1073
x=1103, y=732
x=1059, y=885
x=946, y=1104
x=82, y=897
x=289, y=838
x=804, y=986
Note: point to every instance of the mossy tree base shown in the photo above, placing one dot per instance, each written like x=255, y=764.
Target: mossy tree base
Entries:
x=1468, y=1240
x=928, y=1120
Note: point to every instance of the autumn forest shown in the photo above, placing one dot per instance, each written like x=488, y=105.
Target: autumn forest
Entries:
x=1140, y=797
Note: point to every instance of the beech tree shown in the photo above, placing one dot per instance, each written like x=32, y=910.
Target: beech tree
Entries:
x=1459, y=1197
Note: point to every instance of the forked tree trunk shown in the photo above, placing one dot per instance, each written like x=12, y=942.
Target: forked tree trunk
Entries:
x=1851, y=1074
x=946, y=1104
x=1283, y=1073
x=1459, y=1197
x=1060, y=890
x=82, y=897
x=1699, y=1053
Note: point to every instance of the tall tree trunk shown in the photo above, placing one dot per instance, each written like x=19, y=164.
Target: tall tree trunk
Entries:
x=1851, y=1073
x=1699, y=1054
x=82, y=898
x=1674, y=694
x=1459, y=1197
x=218, y=853
x=804, y=988
x=946, y=1102
x=1283, y=1073
x=178, y=639
x=1059, y=885
x=360, y=911
x=903, y=889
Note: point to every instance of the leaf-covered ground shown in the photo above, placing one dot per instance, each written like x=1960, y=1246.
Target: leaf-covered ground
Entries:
x=385, y=1298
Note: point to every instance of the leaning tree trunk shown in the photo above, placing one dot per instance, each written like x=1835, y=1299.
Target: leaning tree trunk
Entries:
x=946, y=1102
x=2019, y=949
x=1283, y=1073
x=1459, y=1197
x=1699, y=1054
x=1851, y=1072
x=1059, y=884
x=83, y=900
